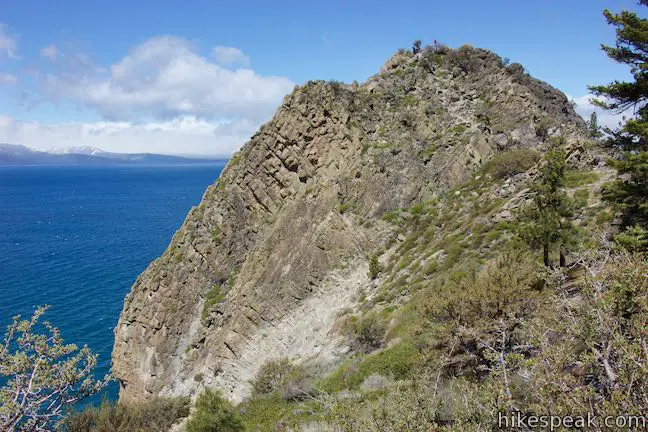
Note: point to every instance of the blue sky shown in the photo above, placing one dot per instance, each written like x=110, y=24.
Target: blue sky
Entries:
x=201, y=76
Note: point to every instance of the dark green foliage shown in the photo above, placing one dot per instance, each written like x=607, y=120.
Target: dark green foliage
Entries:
x=155, y=415
x=374, y=267
x=593, y=128
x=547, y=221
x=633, y=239
x=512, y=162
x=630, y=191
x=214, y=414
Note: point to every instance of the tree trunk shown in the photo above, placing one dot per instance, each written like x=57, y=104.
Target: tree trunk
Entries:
x=563, y=259
x=545, y=252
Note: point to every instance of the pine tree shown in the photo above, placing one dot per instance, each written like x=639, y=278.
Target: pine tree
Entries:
x=547, y=221
x=630, y=191
x=593, y=127
x=374, y=267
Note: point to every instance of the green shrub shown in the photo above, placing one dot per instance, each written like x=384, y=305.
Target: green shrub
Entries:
x=633, y=239
x=580, y=178
x=214, y=414
x=284, y=378
x=390, y=217
x=274, y=413
x=374, y=267
x=155, y=415
x=396, y=362
x=213, y=297
x=505, y=287
x=510, y=163
x=367, y=333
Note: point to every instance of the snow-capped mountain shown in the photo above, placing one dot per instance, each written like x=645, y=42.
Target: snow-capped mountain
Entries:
x=84, y=150
x=11, y=154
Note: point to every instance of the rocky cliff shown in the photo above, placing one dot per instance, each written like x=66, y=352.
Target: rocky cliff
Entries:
x=280, y=244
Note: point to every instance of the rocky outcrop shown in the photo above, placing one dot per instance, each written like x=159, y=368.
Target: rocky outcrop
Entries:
x=280, y=243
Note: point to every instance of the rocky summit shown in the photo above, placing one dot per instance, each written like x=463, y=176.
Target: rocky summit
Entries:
x=279, y=249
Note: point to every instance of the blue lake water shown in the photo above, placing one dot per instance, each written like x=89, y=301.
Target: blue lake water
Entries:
x=76, y=238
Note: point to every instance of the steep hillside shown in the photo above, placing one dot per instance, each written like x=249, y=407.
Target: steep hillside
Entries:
x=280, y=246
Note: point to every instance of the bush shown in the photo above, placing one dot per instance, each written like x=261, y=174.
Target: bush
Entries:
x=367, y=333
x=284, y=378
x=506, y=287
x=274, y=413
x=374, y=267
x=511, y=163
x=602, y=342
x=633, y=239
x=214, y=414
x=395, y=362
x=155, y=415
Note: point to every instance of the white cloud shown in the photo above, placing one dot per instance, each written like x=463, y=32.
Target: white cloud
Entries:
x=585, y=108
x=8, y=43
x=229, y=56
x=163, y=96
x=182, y=135
x=49, y=52
x=166, y=77
x=8, y=79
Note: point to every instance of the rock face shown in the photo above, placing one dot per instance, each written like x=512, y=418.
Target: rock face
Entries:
x=280, y=243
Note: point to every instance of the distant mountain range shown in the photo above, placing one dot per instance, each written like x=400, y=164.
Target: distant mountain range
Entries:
x=11, y=154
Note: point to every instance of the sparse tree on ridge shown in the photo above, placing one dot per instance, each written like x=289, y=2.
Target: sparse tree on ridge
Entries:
x=416, y=46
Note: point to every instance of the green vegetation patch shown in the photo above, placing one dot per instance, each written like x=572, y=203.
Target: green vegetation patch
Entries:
x=213, y=297
x=512, y=162
x=396, y=362
x=214, y=413
x=580, y=178
x=267, y=412
x=157, y=414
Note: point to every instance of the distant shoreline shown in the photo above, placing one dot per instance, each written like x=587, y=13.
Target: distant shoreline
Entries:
x=123, y=164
